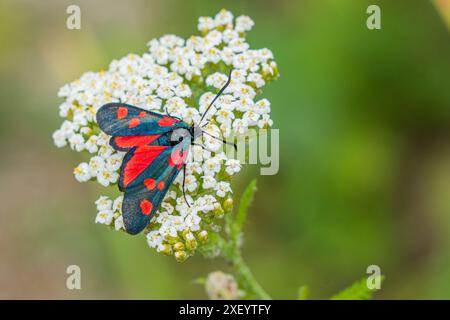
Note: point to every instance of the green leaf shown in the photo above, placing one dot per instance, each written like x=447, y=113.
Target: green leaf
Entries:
x=357, y=291
x=241, y=215
x=303, y=293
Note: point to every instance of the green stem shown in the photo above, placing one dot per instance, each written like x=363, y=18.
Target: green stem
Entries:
x=232, y=253
x=246, y=275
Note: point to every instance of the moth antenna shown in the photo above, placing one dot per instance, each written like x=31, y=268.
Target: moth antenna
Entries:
x=223, y=140
x=217, y=96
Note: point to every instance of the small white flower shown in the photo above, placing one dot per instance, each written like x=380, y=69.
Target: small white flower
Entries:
x=223, y=17
x=216, y=80
x=244, y=23
x=257, y=79
x=79, y=118
x=211, y=166
x=238, y=45
x=192, y=221
x=240, y=126
x=67, y=128
x=205, y=24
x=191, y=183
x=85, y=131
x=233, y=166
x=225, y=115
x=103, y=203
x=103, y=139
x=222, y=188
x=213, y=38
x=265, y=54
x=262, y=106
x=208, y=203
x=76, y=142
x=165, y=91
x=151, y=102
x=96, y=165
x=118, y=224
x=64, y=109
x=171, y=195
x=183, y=90
x=114, y=162
x=209, y=182
x=229, y=35
x=105, y=151
x=82, y=172
x=59, y=138
x=154, y=239
x=244, y=91
x=212, y=54
x=91, y=144
x=168, y=207
x=117, y=204
x=251, y=117
x=265, y=122
x=212, y=144
x=105, y=177
x=194, y=168
x=244, y=105
x=104, y=217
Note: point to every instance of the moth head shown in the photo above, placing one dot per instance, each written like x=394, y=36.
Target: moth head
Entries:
x=178, y=135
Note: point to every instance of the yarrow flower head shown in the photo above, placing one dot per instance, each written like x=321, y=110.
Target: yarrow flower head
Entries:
x=181, y=77
x=222, y=286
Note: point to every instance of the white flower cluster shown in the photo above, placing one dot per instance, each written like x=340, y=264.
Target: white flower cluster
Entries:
x=162, y=80
x=222, y=286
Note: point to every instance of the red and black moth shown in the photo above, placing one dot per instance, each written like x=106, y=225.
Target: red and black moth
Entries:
x=156, y=147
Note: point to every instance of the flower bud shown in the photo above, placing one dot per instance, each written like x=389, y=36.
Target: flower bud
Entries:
x=202, y=236
x=165, y=249
x=180, y=256
x=218, y=211
x=191, y=243
x=178, y=246
x=228, y=204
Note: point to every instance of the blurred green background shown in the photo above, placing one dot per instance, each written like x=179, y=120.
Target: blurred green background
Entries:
x=364, y=119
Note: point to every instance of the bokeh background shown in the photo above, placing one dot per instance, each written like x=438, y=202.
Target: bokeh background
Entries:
x=364, y=119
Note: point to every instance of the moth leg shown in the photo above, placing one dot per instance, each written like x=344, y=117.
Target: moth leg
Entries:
x=168, y=114
x=184, y=183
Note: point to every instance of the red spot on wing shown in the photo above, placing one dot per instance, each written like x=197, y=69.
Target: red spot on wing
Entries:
x=133, y=141
x=142, y=114
x=143, y=156
x=146, y=207
x=134, y=123
x=150, y=183
x=161, y=185
x=122, y=112
x=167, y=121
x=177, y=158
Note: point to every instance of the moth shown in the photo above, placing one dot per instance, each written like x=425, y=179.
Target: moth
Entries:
x=156, y=147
